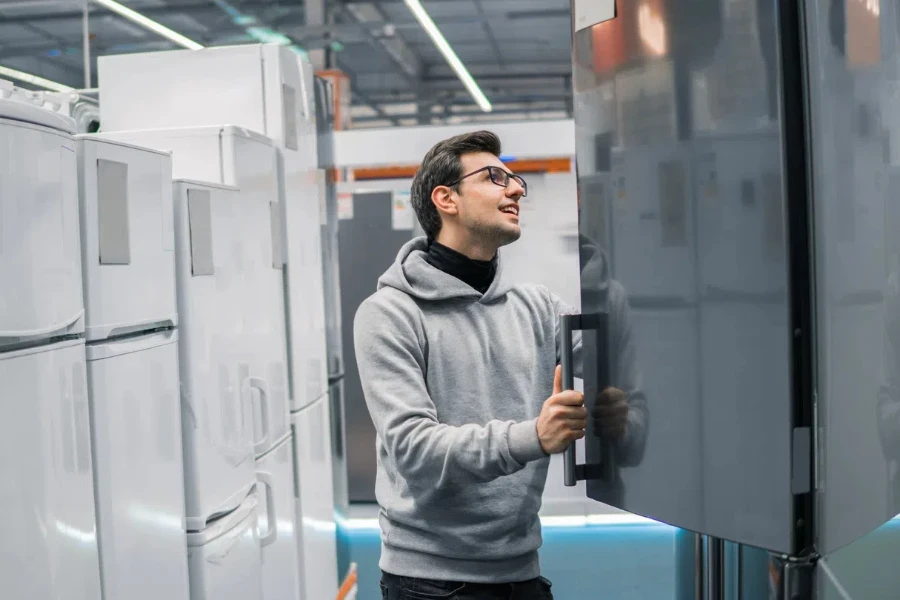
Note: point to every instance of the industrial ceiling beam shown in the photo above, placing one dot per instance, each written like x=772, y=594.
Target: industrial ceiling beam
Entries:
x=407, y=61
x=36, y=49
x=362, y=97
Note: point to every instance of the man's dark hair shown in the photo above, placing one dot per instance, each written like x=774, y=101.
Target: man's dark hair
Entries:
x=442, y=166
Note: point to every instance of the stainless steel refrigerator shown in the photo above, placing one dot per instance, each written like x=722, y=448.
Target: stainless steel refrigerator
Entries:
x=737, y=162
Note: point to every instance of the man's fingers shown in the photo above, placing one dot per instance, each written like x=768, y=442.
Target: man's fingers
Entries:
x=569, y=398
x=557, y=380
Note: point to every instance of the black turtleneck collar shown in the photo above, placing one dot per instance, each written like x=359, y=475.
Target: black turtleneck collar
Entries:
x=477, y=273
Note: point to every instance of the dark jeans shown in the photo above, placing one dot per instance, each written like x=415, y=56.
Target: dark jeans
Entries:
x=394, y=587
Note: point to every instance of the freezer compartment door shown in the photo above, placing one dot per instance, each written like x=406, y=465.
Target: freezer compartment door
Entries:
x=127, y=238
x=138, y=467
x=314, y=499
x=224, y=559
x=280, y=562
x=40, y=258
x=49, y=541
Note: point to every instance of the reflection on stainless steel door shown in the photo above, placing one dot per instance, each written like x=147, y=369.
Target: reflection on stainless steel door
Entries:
x=674, y=118
x=854, y=50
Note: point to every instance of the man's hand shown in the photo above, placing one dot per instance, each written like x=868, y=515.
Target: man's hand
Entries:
x=563, y=418
x=610, y=414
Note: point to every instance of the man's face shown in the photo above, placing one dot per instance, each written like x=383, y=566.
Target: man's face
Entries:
x=488, y=212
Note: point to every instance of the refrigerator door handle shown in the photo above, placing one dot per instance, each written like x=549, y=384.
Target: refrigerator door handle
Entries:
x=272, y=534
x=262, y=387
x=56, y=327
x=573, y=472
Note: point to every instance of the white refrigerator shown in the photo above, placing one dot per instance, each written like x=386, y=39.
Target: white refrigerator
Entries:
x=236, y=156
x=269, y=89
x=49, y=541
x=264, y=88
x=237, y=408
x=128, y=264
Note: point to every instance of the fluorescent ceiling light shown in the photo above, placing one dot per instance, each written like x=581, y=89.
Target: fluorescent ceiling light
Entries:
x=150, y=24
x=441, y=42
x=34, y=80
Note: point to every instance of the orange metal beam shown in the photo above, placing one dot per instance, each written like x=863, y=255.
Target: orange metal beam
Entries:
x=546, y=165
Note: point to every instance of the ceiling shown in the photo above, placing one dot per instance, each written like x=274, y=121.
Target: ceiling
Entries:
x=518, y=51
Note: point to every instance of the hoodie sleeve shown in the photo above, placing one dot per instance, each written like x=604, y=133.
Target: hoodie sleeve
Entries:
x=425, y=452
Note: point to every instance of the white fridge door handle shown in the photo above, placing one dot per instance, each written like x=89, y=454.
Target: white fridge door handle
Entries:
x=272, y=534
x=260, y=385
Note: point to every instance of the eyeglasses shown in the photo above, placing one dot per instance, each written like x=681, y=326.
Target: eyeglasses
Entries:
x=499, y=177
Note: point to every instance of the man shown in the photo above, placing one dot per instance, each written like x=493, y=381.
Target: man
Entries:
x=459, y=370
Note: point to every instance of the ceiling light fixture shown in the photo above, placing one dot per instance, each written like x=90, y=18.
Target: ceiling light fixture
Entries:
x=441, y=42
x=147, y=23
x=34, y=80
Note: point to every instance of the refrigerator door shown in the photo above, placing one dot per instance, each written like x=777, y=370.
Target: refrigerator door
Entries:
x=331, y=279
x=127, y=239
x=138, y=468
x=854, y=50
x=314, y=500
x=280, y=562
x=217, y=409
x=683, y=220
x=338, y=444
x=224, y=558
x=237, y=157
x=251, y=166
x=302, y=187
x=49, y=542
x=40, y=264
x=304, y=277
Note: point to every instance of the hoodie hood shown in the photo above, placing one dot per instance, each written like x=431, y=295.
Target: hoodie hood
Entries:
x=412, y=275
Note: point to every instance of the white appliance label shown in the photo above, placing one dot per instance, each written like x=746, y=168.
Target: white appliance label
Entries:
x=593, y=12
x=345, y=206
x=402, y=214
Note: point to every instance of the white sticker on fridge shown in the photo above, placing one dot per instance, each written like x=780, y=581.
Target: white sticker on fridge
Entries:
x=402, y=215
x=345, y=205
x=592, y=12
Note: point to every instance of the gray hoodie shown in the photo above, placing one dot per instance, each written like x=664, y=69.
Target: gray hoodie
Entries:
x=454, y=381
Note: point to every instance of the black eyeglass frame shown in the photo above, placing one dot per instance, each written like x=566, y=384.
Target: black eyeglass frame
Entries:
x=491, y=169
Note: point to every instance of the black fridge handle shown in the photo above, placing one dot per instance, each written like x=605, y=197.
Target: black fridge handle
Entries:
x=573, y=472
